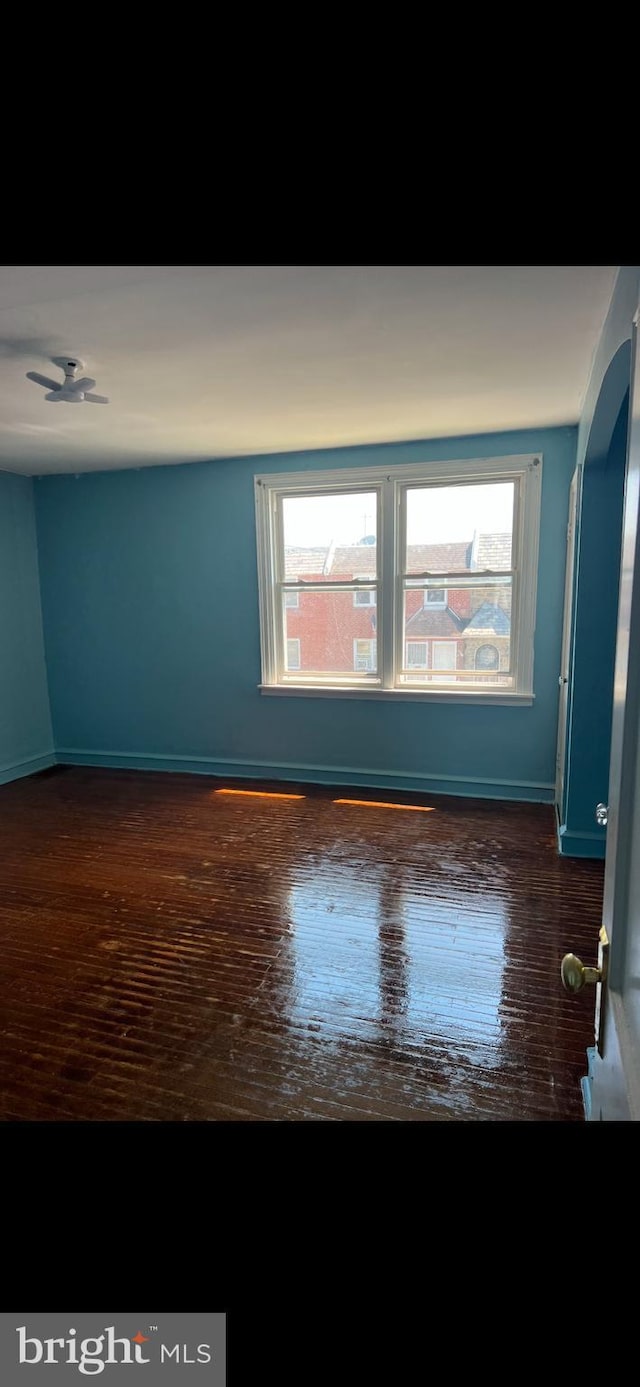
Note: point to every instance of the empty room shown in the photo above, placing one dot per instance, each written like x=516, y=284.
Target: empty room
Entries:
x=319, y=694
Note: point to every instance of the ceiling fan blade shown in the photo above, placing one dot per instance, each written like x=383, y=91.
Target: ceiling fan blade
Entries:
x=44, y=380
x=55, y=395
x=85, y=383
x=96, y=399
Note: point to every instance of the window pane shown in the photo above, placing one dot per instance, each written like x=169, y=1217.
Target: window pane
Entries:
x=330, y=536
x=471, y=635
x=335, y=636
x=458, y=529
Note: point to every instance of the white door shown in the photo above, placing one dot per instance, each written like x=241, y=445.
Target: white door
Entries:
x=565, y=658
x=615, y=1064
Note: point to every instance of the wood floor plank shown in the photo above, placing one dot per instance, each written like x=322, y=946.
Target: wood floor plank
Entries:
x=171, y=952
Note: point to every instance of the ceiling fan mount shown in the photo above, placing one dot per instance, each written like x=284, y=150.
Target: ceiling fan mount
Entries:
x=73, y=389
x=69, y=364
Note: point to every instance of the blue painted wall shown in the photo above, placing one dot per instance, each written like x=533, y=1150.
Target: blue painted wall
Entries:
x=26, y=743
x=152, y=635
x=595, y=623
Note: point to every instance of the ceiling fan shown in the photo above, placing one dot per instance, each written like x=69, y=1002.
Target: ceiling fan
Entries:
x=72, y=390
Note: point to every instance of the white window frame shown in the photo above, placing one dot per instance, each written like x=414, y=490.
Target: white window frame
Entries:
x=391, y=485
x=369, y=593
x=294, y=640
x=292, y=605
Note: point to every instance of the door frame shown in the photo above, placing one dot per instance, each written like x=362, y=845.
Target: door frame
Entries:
x=615, y=1073
x=567, y=644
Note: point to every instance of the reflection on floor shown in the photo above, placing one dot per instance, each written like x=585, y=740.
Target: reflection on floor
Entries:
x=173, y=951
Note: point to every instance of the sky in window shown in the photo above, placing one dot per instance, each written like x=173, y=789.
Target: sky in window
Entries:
x=317, y=520
x=439, y=515
x=434, y=515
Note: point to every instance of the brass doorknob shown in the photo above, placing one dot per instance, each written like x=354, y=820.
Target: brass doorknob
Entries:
x=575, y=974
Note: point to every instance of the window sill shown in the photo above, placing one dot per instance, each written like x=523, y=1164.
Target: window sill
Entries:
x=395, y=695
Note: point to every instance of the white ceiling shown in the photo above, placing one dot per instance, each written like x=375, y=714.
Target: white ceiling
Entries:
x=216, y=361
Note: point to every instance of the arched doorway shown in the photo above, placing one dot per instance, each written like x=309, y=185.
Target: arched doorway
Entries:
x=592, y=610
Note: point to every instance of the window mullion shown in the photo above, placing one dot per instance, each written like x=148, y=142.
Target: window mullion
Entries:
x=279, y=617
x=386, y=580
x=400, y=558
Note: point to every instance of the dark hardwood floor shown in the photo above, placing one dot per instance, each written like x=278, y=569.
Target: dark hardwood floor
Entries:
x=174, y=947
